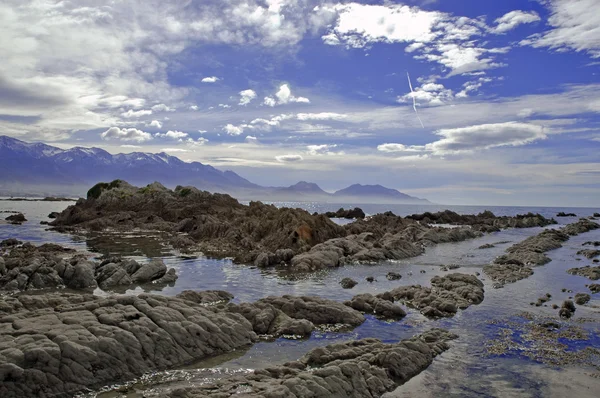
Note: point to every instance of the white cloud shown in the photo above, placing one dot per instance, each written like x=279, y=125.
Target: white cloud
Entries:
x=225, y=106
x=126, y=134
x=319, y=149
x=174, y=150
x=155, y=123
x=485, y=136
x=391, y=148
x=251, y=138
x=284, y=96
x=199, y=142
x=233, y=130
x=246, y=96
x=174, y=135
x=210, y=79
x=513, y=19
x=321, y=116
x=162, y=108
x=432, y=94
x=194, y=107
x=131, y=113
x=130, y=146
x=202, y=131
x=575, y=26
x=289, y=158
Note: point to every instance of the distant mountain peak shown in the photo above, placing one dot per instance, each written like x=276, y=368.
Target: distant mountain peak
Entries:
x=376, y=191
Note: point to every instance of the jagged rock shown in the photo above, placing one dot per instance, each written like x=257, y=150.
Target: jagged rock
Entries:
x=348, y=283
x=444, y=298
x=589, y=253
x=148, y=272
x=363, y=368
x=167, y=279
x=53, y=214
x=58, y=344
x=16, y=219
x=594, y=288
x=567, y=310
x=10, y=242
x=370, y=279
x=206, y=296
x=589, y=272
x=580, y=227
x=393, y=276
x=486, y=246
x=355, y=213
x=563, y=214
x=367, y=303
x=316, y=310
x=582, y=298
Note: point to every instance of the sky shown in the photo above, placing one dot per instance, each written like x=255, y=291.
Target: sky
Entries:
x=457, y=101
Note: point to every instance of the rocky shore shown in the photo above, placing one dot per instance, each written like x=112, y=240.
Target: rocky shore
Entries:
x=265, y=235
x=24, y=266
x=520, y=258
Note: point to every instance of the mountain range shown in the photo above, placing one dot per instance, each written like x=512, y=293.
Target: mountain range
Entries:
x=40, y=169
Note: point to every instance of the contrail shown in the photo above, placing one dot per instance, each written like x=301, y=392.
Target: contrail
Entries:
x=414, y=99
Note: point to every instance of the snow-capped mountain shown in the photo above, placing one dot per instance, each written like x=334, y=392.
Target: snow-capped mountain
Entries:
x=25, y=163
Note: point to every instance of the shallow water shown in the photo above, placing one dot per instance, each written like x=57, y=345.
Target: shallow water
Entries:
x=465, y=370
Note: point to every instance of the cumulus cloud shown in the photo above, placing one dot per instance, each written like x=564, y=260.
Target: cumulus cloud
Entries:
x=319, y=149
x=251, y=138
x=284, y=96
x=174, y=150
x=199, y=142
x=575, y=26
x=392, y=148
x=162, y=108
x=225, y=106
x=432, y=94
x=131, y=113
x=126, y=134
x=130, y=146
x=289, y=158
x=513, y=19
x=155, y=123
x=246, y=96
x=233, y=130
x=194, y=107
x=174, y=135
x=210, y=79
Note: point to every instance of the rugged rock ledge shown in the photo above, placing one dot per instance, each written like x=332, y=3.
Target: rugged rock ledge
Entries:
x=447, y=295
x=363, y=368
x=520, y=259
x=265, y=235
x=355, y=213
x=60, y=343
x=484, y=222
x=50, y=266
x=589, y=272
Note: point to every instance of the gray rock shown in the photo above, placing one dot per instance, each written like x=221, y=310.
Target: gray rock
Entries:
x=362, y=368
x=369, y=304
x=582, y=298
x=148, y=272
x=589, y=272
x=348, y=283
x=393, y=276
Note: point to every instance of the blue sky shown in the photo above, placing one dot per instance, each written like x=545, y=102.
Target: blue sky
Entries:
x=287, y=90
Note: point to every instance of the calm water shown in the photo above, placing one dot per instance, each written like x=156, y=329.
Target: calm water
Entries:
x=464, y=370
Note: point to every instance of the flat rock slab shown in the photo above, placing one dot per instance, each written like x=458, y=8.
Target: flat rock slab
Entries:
x=363, y=368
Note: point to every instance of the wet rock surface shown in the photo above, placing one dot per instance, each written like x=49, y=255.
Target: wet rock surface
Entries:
x=520, y=258
x=594, y=288
x=61, y=343
x=16, y=219
x=589, y=253
x=563, y=214
x=50, y=266
x=381, y=308
x=582, y=298
x=362, y=368
x=444, y=298
x=485, y=221
x=355, y=213
x=589, y=272
x=348, y=283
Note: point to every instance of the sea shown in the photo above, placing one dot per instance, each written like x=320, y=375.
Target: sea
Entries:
x=473, y=367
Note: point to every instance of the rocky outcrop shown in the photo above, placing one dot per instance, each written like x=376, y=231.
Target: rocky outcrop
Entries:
x=520, y=258
x=567, y=309
x=444, y=298
x=484, y=222
x=381, y=308
x=50, y=266
x=582, y=298
x=486, y=246
x=363, y=368
x=356, y=213
x=55, y=344
x=595, y=244
x=589, y=253
x=589, y=272
x=217, y=224
x=348, y=283
x=16, y=219
x=563, y=214
x=594, y=288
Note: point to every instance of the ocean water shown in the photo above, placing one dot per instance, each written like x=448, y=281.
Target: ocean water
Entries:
x=466, y=370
